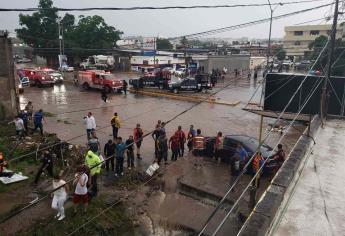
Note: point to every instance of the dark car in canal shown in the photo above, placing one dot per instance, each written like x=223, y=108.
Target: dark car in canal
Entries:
x=250, y=144
x=200, y=83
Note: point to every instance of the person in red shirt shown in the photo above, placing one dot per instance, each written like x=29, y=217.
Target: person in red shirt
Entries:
x=138, y=138
x=174, y=145
x=3, y=165
x=182, y=140
x=218, y=147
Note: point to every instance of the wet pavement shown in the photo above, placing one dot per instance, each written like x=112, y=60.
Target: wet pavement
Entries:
x=69, y=104
x=317, y=205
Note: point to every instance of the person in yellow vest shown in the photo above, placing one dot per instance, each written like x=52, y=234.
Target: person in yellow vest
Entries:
x=115, y=124
x=93, y=162
x=198, y=147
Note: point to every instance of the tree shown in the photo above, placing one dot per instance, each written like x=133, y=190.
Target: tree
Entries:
x=40, y=29
x=280, y=53
x=184, y=42
x=93, y=32
x=317, y=45
x=163, y=44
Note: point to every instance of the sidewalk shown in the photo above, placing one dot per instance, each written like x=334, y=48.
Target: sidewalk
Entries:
x=317, y=206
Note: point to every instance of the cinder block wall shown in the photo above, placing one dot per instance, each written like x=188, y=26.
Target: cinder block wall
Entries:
x=8, y=96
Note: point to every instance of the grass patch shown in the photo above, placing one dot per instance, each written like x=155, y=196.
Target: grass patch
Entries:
x=113, y=222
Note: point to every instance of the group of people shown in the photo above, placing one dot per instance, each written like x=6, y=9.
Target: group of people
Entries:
x=26, y=116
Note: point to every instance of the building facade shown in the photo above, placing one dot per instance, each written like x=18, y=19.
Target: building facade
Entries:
x=297, y=38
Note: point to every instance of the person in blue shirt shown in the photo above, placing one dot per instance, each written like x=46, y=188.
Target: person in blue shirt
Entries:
x=120, y=149
x=38, y=118
x=242, y=154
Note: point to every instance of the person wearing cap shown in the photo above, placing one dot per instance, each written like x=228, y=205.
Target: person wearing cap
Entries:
x=93, y=162
x=3, y=165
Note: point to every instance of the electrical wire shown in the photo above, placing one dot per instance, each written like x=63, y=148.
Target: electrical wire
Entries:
x=258, y=149
x=261, y=167
x=13, y=214
x=243, y=25
x=151, y=8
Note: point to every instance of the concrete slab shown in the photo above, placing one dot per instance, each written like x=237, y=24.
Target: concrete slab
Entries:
x=317, y=206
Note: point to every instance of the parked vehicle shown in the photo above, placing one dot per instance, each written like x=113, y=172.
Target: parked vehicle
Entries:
x=156, y=78
x=98, y=62
x=23, y=82
x=181, y=72
x=24, y=60
x=200, y=83
x=98, y=79
x=303, y=65
x=66, y=68
x=38, y=77
x=57, y=76
x=288, y=63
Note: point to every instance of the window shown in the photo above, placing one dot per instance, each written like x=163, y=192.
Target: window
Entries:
x=297, y=43
x=298, y=33
x=314, y=32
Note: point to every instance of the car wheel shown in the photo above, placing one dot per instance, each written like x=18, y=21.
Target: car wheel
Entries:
x=86, y=86
x=175, y=91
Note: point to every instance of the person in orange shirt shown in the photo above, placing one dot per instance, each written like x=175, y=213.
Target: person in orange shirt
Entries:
x=198, y=147
x=3, y=165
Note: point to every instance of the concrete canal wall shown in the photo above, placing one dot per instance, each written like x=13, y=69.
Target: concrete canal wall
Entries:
x=270, y=204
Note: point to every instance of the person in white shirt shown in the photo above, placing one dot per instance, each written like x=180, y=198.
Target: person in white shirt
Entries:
x=90, y=123
x=80, y=193
x=20, y=128
x=59, y=197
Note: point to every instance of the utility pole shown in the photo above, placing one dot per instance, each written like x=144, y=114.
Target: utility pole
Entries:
x=269, y=35
x=331, y=45
x=154, y=52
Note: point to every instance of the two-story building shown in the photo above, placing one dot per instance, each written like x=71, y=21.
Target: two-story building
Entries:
x=297, y=38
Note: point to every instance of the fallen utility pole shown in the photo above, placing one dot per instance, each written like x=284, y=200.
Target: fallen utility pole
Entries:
x=325, y=93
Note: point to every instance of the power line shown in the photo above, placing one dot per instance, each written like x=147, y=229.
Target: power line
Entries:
x=258, y=149
x=243, y=25
x=261, y=167
x=150, y=8
x=307, y=99
x=147, y=134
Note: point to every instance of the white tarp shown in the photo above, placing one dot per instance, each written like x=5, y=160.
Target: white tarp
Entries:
x=17, y=177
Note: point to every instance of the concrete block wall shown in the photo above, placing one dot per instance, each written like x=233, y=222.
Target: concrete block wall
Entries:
x=263, y=215
x=8, y=96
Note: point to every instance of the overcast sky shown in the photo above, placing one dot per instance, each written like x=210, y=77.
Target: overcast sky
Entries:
x=169, y=23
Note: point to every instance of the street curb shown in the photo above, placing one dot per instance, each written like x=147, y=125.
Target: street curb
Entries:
x=262, y=218
x=182, y=97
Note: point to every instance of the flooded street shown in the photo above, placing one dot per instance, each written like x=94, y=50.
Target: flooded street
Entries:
x=68, y=104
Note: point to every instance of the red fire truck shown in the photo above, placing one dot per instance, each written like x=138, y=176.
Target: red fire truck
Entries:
x=99, y=79
x=38, y=77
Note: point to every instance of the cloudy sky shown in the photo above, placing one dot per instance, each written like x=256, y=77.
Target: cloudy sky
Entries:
x=170, y=23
